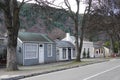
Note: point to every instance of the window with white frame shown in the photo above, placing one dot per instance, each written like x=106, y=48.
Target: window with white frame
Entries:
x=49, y=50
x=31, y=51
x=64, y=53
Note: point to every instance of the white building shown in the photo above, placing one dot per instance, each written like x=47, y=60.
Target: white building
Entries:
x=65, y=51
x=100, y=50
x=87, y=45
x=107, y=52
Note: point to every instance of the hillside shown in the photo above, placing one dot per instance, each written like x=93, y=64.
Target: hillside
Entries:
x=48, y=20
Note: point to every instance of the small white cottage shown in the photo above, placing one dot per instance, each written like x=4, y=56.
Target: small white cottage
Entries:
x=65, y=51
x=100, y=50
x=87, y=45
x=35, y=48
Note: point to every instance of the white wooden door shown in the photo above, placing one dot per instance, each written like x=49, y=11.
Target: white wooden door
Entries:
x=41, y=53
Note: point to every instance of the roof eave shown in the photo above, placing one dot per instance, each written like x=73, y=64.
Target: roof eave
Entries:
x=36, y=42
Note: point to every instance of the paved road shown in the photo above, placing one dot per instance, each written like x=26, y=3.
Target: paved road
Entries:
x=101, y=71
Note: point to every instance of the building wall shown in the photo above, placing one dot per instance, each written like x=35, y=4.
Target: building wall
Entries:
x=19, y=52
x=99, y=52
x=48, y=59
x=61, y=54
x=73, y=53
x=102, y=52
x=107, y=51
x=29, y=61
x=86, y=44
x=3, y=48
x=32, y=61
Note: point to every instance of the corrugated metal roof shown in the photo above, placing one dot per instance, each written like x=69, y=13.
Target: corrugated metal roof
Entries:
x=35, y=37
x=97, y=46
x=64, y=44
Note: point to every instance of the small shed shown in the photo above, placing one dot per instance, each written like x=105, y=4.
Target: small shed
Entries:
x=65, y=51
x=35, y=48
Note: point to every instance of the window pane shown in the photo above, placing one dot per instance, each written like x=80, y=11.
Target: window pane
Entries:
x=31, y=51
x=49, y=50
x=64, y=53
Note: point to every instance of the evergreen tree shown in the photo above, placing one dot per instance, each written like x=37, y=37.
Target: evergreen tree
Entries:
x=84, y=53
x=88, y=53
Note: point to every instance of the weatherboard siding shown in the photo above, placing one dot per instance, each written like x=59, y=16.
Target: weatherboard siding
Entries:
x=61, y=55
x=73, y=53
x=48, y=59
x=30, y=61
x=20, y=54
x=30, y=49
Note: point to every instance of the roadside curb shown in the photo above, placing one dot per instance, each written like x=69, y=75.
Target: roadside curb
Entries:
x=36, y=74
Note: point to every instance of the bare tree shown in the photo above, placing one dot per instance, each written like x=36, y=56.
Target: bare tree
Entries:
x=11, y=10
x=117, y=17
x=75, y=17
x=108, y=21
x=113, y=9
x=79, y=29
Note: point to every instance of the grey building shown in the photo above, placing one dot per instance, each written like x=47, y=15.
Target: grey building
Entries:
x=65, y=51
x=35, y=48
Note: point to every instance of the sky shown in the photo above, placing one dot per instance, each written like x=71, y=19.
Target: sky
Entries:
x=72, y=3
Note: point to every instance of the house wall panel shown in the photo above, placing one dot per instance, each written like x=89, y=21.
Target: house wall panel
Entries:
x=48, y=59
x=73, y=53
x=31, y=60
x=20, y=52
x=28, y=62
x=61, y=54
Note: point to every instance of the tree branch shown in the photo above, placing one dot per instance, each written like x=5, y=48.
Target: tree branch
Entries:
x=23, y=2
x=69, y=7
x=78, y=6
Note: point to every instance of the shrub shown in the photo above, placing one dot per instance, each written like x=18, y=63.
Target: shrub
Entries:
x=88, y=54
x=84, y=54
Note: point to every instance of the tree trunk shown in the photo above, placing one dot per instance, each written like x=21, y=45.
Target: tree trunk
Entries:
x=118, y=40
x=11, y=15
x=83, y=26
x=78, y=52
x=11, y=52
x=77, y=41
x=80, y=45
x=81, y=41
x=75, y=16
x=111, y=45
x=118, y=47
